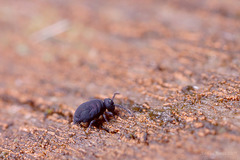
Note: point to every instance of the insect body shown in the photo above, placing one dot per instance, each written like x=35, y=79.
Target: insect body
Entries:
x=91, y=110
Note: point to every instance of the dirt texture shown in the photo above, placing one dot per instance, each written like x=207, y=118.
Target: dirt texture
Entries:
x=176, y=64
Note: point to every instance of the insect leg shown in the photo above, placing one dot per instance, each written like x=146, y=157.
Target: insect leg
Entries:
x=90, y=125
x=105, y=117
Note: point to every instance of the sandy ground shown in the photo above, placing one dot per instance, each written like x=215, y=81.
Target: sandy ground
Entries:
x=176, y=64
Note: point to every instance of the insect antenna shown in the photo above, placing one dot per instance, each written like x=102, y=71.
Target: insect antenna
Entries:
x=114, y=95
x=124, y=108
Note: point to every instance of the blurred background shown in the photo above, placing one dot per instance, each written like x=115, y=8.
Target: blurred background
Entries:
x=56, y=54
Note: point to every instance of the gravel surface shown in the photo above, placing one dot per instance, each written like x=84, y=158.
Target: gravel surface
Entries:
x=176, y=64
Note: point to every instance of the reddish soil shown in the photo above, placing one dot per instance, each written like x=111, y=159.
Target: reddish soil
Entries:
x=176, y=64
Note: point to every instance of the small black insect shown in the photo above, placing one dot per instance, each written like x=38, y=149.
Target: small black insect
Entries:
x=91, y=110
